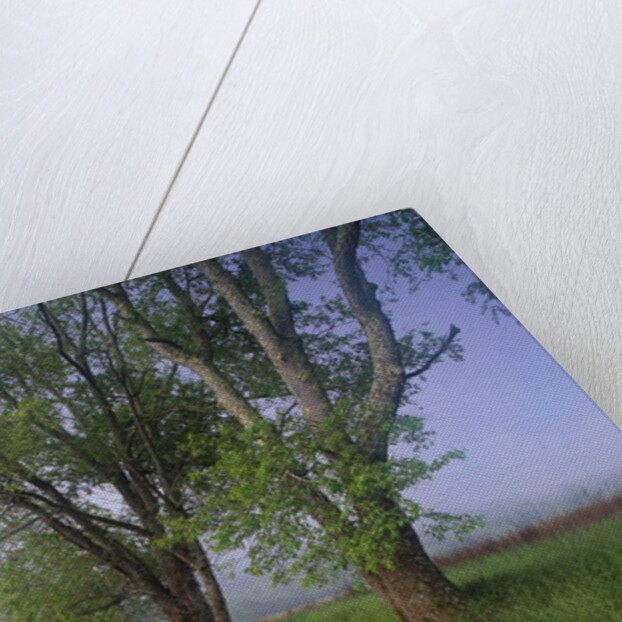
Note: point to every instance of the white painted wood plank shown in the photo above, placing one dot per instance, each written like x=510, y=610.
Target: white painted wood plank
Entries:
x=500, y=121
x=98, y=101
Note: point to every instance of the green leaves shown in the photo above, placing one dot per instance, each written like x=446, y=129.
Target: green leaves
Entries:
x=44, y=579
x=94, y=435
x=257, y=498
x=442, y=523
x=127, y=389
x=412, y=249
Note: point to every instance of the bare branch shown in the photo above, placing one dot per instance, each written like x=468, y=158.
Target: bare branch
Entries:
x=453, y=331
x=55, y=499
x=230, y=398
x=193, y=314
x=275, y=334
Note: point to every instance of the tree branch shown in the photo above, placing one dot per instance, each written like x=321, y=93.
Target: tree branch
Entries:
x=60, y=503
x=387, y=383
x=231, y=399
x=453, y=331
x=193, y=314
x=7, y=534
x=98, y=542
x=276, y=334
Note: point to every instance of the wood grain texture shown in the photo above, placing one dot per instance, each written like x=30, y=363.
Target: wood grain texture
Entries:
x=98, y=101
x=500, y=121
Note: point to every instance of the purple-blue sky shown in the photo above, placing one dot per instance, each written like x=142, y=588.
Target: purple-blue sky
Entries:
x=528, y=429
x=529, y=432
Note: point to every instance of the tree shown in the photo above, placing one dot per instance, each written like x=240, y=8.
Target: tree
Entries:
x=94, y=454
x=43, y=578
x=320, y=388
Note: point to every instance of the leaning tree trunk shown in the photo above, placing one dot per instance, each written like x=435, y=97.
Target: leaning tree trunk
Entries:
x=214, y=593
x=408, y=581
x=183, y=613
x=413, y=587
x=188, y=602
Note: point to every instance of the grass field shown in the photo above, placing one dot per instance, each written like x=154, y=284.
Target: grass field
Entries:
x=573, y=577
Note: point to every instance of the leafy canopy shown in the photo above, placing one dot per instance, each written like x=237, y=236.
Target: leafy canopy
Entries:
x=262, y=492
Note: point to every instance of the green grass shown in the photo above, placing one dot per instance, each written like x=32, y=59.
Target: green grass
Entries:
x=571, y=578
x=365, y=608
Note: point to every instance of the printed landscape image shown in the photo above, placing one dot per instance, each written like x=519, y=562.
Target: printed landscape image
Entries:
x=342, y=427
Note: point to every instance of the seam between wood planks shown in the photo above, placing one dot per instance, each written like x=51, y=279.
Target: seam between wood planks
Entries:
x=193, y=138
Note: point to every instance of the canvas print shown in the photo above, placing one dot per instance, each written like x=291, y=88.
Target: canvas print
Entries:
x=347, y=426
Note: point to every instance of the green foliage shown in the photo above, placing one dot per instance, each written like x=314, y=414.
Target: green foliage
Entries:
x=478, y=292
x=52, y=419
x=83, y=391
x=44, y=579
x=85, y=419
x=413, y=250
x=257, y=496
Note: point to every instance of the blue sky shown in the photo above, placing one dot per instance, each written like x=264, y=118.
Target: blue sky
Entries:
x=528, y=429
x=529, y=432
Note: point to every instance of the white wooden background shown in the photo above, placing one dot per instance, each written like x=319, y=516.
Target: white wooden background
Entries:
x=138, y=136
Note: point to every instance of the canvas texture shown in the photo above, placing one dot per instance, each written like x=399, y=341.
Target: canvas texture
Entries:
x=347, y=426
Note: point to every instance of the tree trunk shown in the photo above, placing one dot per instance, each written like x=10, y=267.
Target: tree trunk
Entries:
x=211, y=585
x=188, y=608
x=414, y=588
x=188, y=603
x=183, y=613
